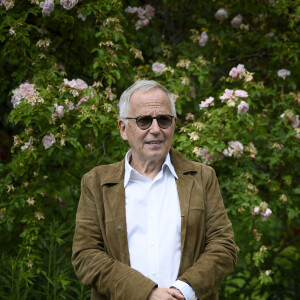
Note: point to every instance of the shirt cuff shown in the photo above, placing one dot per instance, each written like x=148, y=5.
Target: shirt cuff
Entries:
x=185, y=289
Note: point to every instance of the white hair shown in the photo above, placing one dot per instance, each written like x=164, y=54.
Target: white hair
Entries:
x=144, y=85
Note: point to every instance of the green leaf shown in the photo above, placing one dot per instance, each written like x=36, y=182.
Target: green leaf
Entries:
x=293, y=213
x=95, y=65
x=49, y=152
x=26, y=41
x=201, y=21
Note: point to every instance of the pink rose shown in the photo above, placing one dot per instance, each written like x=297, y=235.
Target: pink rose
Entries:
x=283, y=73
x=141, y=12
x=243, y=107
x=203, y=39
x=59, y=111
x=138, y=24
x=241, y=94
x=71, y=84
x=234, y=72
x=235, y=149
x=68, y=4
x=77, y=84
x=241, y=68
x=131, y=10
x=158, y=68
x=267, y=213
x=227, y=95
x=79, y=102
x=221, y=14
x=189, y=116
x=237, y=21
x=47, y=6
x=70, y=105
x=48, y=140
x=295, y=121
x=26, y=89
x=206, y=103
x=80, y=84
x=207, y=155
x=150, y=11
x=256, y=209
x=22, y=91
x=145, y=22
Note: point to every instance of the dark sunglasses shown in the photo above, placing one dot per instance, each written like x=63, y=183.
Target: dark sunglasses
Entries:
x=144, y=122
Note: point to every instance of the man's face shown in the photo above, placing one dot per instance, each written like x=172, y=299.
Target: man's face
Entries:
x=154, y=143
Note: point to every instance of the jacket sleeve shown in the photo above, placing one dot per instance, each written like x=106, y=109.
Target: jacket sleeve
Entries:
x=219, y=256
x=93, y=266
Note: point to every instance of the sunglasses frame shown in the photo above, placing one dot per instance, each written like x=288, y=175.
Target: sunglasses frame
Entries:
x=152, y=118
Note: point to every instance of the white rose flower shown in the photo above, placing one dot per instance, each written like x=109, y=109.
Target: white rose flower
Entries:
x=231, y=103
x=243, y=107
x=48, y=140
x=237, y=21
x=221, y=14
x=68, y=4
x=203, y=39
x=158, y=68
x=283, y=73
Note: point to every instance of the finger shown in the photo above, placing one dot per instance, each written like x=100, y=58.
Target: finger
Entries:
x=176, y=294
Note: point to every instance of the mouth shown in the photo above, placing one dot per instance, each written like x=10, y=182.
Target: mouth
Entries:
x=153, y=142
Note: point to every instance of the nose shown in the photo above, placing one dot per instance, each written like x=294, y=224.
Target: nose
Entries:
x=154, y=128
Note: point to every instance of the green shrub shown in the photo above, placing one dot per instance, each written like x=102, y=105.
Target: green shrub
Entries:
x=61, y=76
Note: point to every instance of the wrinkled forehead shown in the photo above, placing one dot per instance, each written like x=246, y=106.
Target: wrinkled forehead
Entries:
x=151, y=92
x=152, y=99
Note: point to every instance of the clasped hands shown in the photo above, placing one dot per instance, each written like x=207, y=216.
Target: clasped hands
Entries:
x=165, y=294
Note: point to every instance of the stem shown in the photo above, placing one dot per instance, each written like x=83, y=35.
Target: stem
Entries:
x=55, y=279
x=49, y=270
x=81, y=290
x=292, y=241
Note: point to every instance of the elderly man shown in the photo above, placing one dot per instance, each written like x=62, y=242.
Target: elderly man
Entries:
x=152, y=226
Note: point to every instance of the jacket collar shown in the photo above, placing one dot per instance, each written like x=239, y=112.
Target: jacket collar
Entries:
x=181, y=163
x=116, y=172
x=131, y=173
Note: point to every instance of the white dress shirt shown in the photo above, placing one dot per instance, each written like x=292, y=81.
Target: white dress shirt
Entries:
x=153, y=222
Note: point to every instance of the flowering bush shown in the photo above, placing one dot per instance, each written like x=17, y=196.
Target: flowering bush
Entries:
x=233, y=72
x=144, y=15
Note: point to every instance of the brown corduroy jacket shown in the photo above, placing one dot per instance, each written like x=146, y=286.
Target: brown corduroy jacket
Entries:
x=100, y=248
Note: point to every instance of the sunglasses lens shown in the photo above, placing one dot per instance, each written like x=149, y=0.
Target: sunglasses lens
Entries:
x=164, y=121
x=144, y=122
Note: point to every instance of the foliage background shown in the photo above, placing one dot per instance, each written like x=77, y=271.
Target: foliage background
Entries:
x=97, y=41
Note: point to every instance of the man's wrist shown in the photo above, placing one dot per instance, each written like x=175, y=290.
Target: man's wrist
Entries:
x=185, y=289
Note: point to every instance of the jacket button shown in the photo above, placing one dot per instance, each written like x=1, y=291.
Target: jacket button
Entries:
x=119, y=228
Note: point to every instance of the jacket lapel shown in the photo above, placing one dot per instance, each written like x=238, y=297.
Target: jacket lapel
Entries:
x=184, y=187
x=184, y=168
x=115, y=195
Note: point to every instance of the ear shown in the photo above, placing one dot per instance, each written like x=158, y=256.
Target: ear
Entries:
x=122, y=129
x=175, y=120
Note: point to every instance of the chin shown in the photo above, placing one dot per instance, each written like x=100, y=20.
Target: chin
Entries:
x=158, y=154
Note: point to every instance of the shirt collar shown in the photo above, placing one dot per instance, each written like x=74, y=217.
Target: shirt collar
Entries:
x=129, y=170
